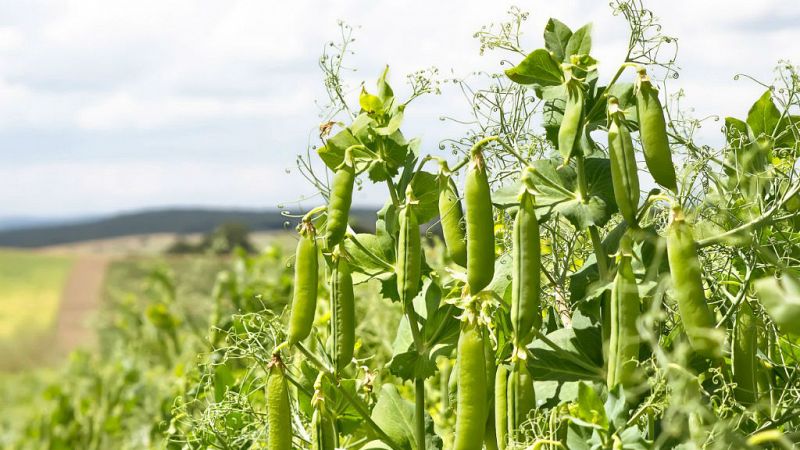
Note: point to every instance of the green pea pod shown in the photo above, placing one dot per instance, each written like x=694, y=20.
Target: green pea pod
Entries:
x=653, y=131
x=279, y=411
x=323, y=435
x=743, y=355
x=408, y=255
x=306, y=269
x=623, y=348
x=480, y=226
x=339, y=203
x=452, y=219
x=501, y=406
x=521, y=396
x=687, y=286
x=569, y=132
x=624, y=176
x=342, y=312
x=471, y=400
x=525, y=314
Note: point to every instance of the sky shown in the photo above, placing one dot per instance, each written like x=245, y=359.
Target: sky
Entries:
x=109, y=106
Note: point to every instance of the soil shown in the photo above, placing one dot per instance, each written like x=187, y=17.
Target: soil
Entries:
x=79, y=302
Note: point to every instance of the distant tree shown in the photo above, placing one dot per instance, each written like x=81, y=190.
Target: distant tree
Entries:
x=227, y=237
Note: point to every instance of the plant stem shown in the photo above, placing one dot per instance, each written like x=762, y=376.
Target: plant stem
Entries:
x=350, y=399
x=419, y=413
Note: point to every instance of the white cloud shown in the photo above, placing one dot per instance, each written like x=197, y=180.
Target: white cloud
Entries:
x=101, y=70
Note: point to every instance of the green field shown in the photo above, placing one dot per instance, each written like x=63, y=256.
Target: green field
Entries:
x=30, y=290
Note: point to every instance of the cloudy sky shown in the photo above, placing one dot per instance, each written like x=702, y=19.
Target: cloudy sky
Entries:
x=110, y=105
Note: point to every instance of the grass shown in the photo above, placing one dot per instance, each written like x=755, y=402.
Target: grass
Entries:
x=30, y=290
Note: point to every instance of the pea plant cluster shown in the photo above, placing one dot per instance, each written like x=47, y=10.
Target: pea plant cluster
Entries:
x=563, y=307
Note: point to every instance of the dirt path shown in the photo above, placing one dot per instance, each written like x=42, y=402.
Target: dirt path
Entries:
x=80, y=302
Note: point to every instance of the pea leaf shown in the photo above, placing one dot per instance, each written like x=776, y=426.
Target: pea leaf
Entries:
x=591, y=409
x=556, y=37
x=537, y=68
x=395, y=416
x=332, y=153
x=781, y=299
x=580, y=43
x=369, y=103
x=557, y=191
x=763, y=116
x=426, y=191
x=566, y=359
x=369, y=253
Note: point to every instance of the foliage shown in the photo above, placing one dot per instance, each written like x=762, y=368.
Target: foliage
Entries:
x=431, y=341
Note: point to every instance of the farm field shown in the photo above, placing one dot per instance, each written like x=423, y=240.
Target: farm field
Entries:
x=584, y=260
x=31, y=285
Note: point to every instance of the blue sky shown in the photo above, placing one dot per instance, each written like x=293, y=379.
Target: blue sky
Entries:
x=112, y=105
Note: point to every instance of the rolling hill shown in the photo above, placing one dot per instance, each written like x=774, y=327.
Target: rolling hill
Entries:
x=179, y=221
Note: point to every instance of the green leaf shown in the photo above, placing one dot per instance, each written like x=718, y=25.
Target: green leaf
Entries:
x=763, y=116
x=394, y=122
x=556, y=37
x=567, y=359
x=426, y=191
x=781, y=299
x=537, y=68
x=368, y=252
x=369, y=103
x=557, y=191
x=590, y=407
x=332, y=153
x=385, y=92
x=395, y=416
x=580, y=43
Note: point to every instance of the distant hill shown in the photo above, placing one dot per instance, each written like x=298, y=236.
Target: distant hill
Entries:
x=180, y=221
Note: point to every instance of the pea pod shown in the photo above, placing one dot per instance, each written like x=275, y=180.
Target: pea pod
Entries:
x=623, y=348
x=569, y=132
x=501, y=406
x=306, y=269
x=279, y=411
x=452, y=219
x=687, y=286
x=342, y=312
x=480, y=225
x=323, y=435
x=339, y=203
x=408, y=255
x=624, y=176
x=743, y=355
x=521, y=396
x=653, y=131
x=471, y=398
x=525, y=314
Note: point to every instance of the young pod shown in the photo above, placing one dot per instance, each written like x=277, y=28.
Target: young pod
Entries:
x=452, y=220
x=569, y=132
x=625, y=305
x=471, y=400
x=653, y=131
x=743, y=355
x=343, y=325
x=525, y=315
x=339, y=203
x=323, y=432
x=279, y=410
x=480, y=225
x=521, y=396
x=306, y=269
x=501, y=415
x=409, y=254
x=687, y=286
x=624, y=176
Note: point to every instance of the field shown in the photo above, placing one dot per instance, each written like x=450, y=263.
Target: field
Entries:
x=31, y=285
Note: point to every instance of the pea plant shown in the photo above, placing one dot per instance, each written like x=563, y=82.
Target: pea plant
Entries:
x=563, y=306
